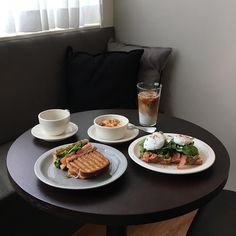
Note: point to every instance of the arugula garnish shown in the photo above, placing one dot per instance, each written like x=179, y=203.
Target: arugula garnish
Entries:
x=190, y=150
x=141, y=147
x=57, y=163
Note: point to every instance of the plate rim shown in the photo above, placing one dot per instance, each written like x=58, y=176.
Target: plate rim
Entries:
x=54, y=138
x=165, y=170
x=122, y=167
x=136, y=132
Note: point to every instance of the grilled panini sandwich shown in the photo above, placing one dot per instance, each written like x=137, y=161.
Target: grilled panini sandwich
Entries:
x=81, y=160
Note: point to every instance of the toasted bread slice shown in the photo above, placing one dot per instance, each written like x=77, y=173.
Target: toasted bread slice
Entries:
x=151, y=157
x=88, y=165
x=197, y=161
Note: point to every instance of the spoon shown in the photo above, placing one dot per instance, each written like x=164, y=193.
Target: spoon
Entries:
x=143, y=128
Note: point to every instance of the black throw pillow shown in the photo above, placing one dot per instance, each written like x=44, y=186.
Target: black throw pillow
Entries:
x=102, y=81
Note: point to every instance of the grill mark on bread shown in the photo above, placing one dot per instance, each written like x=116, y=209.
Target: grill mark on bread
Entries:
x=100, y=158
x=87, y=165
x=72, y=171
x=89, y=162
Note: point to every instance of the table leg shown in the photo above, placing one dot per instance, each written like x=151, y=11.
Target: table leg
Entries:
x=116, y=230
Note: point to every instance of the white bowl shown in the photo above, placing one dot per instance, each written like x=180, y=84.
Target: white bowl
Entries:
x=111, y=133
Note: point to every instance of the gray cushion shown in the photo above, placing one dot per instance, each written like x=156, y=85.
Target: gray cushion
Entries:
x=153, y=60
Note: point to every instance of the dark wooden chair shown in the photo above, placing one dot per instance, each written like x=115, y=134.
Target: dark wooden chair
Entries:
x=217, y=218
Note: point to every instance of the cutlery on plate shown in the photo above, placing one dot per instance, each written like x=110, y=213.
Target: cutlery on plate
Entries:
x=143, y=128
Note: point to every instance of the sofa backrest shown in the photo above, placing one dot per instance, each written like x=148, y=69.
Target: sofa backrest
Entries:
x=32, y=75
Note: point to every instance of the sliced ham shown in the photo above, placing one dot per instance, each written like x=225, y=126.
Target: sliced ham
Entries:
x=175, y=159
x=183, y=160
x=150, y=157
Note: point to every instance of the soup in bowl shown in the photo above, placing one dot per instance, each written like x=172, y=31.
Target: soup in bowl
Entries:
x=111, y=126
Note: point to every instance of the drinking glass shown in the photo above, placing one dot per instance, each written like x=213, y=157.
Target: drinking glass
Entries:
x=149, y=95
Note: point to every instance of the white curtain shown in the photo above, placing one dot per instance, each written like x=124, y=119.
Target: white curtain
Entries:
x=21, y=16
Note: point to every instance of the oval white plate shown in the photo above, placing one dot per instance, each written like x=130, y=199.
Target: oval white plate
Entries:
x=37, y=132
x=46, y=171
x=205, y=151
x=131, y=134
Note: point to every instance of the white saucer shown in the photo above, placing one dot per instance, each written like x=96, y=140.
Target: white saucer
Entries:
x=131, y=134
x=37, y=132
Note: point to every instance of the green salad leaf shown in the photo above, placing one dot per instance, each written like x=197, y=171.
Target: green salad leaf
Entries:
x=141, y=146
x=57, y=162
x=75, y=148
x=190, y=150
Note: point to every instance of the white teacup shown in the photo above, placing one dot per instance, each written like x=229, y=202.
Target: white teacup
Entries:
x=54, y=121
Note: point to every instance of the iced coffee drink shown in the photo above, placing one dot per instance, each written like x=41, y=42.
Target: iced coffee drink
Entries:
x=148, y=103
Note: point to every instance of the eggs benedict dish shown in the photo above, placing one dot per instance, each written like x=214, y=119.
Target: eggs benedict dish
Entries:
x=177, y=149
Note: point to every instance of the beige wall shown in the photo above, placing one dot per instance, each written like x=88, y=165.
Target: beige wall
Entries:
x=203, y=77
x=107, y=8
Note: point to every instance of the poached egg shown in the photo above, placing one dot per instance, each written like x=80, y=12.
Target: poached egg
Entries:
x=181, y=139
x=154, y=141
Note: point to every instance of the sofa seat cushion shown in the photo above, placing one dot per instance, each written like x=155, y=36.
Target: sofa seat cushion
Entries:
x=6, y=188
x=102, y=81
x=153, y=60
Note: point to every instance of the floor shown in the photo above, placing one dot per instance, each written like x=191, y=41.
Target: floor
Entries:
x=174, y=227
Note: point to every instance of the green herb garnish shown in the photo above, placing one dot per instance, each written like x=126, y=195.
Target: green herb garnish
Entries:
x=57, y=163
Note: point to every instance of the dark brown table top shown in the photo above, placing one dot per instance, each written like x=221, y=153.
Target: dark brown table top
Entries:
x=138, y=196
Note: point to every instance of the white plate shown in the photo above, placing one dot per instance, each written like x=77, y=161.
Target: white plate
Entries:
x=46, y=171
x=204, y=149
x=37, y=132
x=131, y=134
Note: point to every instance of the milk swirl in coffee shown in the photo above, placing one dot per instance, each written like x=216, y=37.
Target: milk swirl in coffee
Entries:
x=148, y=102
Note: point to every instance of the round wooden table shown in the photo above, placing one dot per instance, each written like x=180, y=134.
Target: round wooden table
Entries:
x=139, y=196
